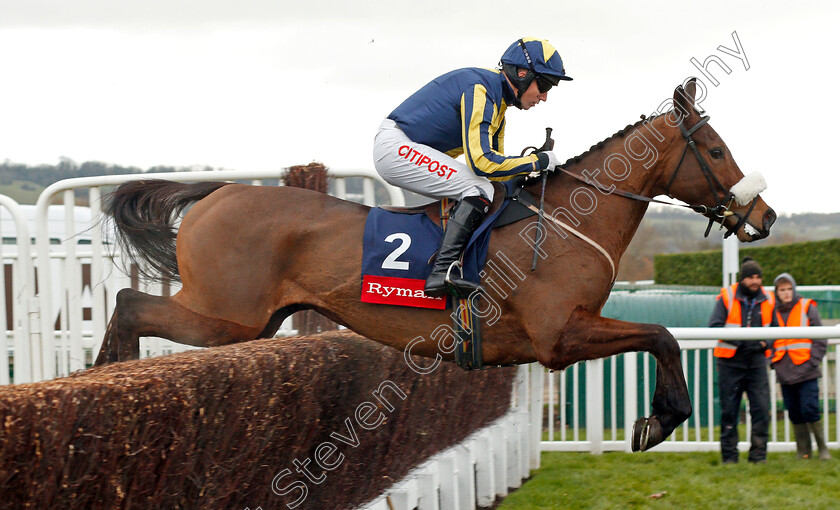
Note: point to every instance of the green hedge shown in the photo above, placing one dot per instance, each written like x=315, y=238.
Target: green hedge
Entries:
x=811, y=263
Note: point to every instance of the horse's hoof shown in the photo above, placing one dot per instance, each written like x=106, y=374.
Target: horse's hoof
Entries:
x=647, y=433
x=640, y=434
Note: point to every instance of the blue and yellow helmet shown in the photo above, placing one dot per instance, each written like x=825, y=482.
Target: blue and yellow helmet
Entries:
x=541, y=60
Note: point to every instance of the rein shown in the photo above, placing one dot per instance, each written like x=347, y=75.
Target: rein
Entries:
x=702, y=209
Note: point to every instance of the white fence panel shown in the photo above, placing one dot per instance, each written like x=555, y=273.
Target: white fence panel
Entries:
x=80, y=274
x=698, y=432
x=21, y=341
x=481, y=468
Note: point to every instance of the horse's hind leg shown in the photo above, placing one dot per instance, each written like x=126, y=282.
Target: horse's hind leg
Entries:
x=108, y=351
x=590, y=336
x=138, y=314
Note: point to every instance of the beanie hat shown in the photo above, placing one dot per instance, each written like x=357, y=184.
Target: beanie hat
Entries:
x=749, y=267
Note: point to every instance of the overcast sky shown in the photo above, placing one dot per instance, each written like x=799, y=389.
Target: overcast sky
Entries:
x=261, y=84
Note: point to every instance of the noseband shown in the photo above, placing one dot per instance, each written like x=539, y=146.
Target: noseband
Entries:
x=721, y=209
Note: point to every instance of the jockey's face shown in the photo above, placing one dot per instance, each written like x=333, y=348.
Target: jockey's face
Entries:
x=532, y=96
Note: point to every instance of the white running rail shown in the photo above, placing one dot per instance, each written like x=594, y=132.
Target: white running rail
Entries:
x=41, y=350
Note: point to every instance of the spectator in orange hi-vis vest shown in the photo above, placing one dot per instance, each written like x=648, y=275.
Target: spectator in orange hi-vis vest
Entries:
x=742, y=364
x=797, y=365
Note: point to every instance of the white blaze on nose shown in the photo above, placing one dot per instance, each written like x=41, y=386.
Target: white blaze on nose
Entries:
x=748, y=188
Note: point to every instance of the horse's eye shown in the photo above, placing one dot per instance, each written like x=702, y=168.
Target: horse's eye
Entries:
x=716, y=153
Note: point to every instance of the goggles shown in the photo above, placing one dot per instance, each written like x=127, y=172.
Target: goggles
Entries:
x=543, y=84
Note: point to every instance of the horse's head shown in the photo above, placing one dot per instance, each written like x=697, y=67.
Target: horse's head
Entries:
x=705, y=174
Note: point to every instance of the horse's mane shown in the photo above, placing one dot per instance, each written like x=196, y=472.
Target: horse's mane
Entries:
x=600, y=144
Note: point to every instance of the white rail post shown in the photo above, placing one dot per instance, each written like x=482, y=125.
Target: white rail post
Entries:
x=340, y=188
x=404, y=497
x=836, y=393
x=514, y=470
x=448, y=482
x=27, y=341
x=73, y=270
x=99, y=314
x=10, y=340
x=523, y=419
x=536, y=407
x=500, y=460
x=594, y=405
x=34, y=344
x=631, y=398
x=42, y=241
x=465, y=474
x=368, y=193
x=485, y=488
x=427, y=490
x=730, y=261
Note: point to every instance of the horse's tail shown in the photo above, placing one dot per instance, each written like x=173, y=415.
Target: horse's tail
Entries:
x=144, y=214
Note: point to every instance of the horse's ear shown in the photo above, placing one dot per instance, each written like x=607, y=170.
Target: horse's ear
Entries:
x=691, y=90
x=684, y=97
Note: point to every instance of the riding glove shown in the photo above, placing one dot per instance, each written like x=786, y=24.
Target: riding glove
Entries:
x=548, y=161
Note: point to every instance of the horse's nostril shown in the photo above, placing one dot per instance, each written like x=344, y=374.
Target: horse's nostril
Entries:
x=769, y=219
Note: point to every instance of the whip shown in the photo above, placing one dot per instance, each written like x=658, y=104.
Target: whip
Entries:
x=538, y=236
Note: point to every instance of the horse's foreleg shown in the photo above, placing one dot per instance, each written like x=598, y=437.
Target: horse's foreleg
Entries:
x=138, y=314
x=590, y=336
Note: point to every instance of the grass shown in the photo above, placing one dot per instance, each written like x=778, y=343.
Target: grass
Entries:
x=689, y=480
x=23, y=192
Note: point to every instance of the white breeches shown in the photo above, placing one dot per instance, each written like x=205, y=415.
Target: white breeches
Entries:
x=422, y=169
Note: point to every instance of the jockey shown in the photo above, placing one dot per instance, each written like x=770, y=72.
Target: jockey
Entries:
x=463, y=112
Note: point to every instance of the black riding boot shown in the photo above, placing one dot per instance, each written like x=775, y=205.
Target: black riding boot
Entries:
x=462, y=223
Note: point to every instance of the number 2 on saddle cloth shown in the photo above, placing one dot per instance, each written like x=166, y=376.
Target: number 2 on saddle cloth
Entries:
x=397, y=256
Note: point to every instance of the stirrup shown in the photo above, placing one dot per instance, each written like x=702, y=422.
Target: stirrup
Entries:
x=459, y=289
x=456, y=263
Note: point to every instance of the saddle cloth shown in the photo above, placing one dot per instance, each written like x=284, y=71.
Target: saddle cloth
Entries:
x=398, y=252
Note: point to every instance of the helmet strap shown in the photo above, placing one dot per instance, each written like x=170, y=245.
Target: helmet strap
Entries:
x=527, y=57
x=520, y=85
x=524, y=84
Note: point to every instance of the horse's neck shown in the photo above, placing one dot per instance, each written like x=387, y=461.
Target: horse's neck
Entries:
x=611, y=220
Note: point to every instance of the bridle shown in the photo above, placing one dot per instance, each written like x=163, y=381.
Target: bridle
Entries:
x=717, y=213
x=724, y=201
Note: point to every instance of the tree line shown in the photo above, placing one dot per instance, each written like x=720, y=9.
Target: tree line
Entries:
x=45, y=174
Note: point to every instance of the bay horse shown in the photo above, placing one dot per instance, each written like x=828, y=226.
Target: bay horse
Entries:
x=249, y=256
